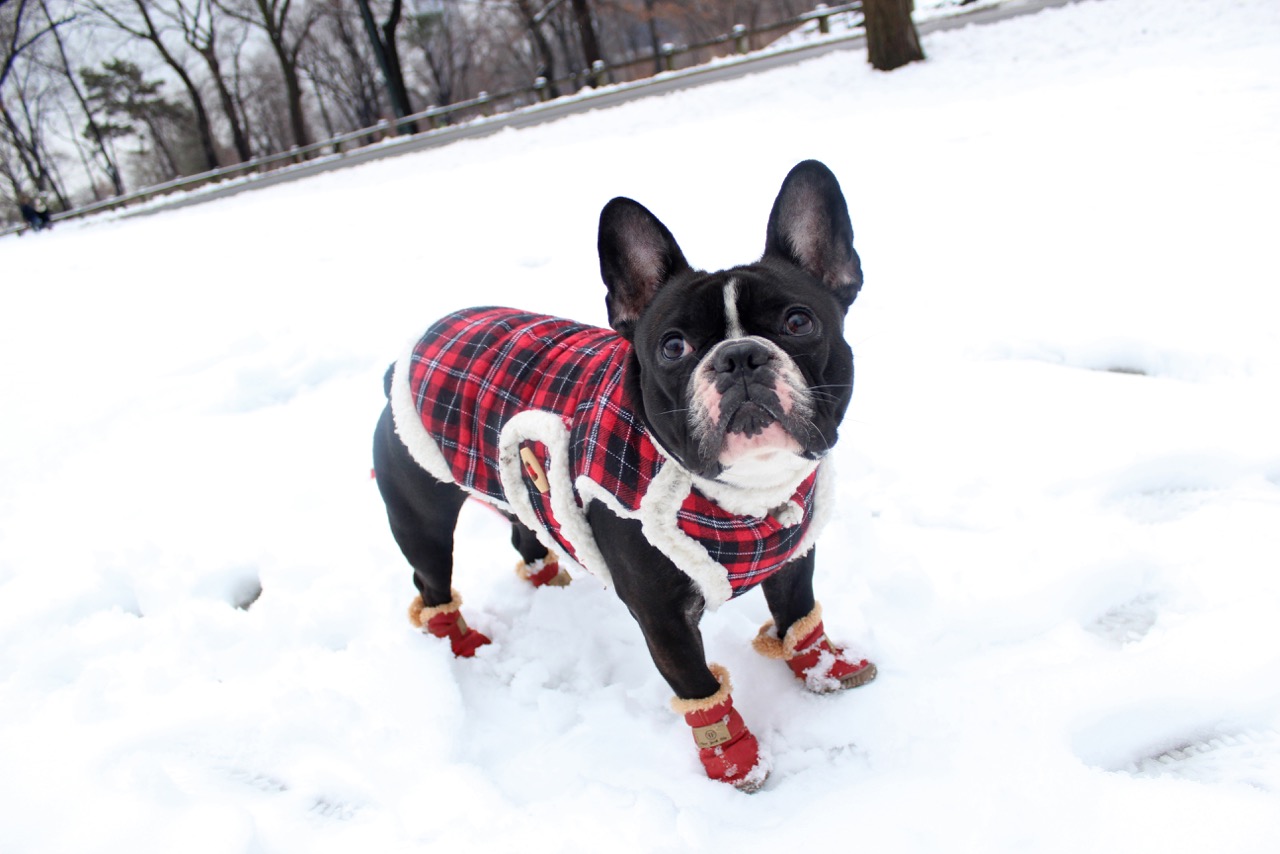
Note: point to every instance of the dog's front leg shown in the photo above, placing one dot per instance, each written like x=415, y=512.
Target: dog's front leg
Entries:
x=668, y=607
x=789, y=592
x=796, y=634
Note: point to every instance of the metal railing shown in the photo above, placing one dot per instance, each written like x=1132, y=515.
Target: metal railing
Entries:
x=483, y=105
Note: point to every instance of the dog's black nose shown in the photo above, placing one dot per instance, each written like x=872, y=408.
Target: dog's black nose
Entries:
x=740, y=357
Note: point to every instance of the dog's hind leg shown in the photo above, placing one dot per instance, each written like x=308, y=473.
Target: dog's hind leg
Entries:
x=423, y=513
x=538, y=565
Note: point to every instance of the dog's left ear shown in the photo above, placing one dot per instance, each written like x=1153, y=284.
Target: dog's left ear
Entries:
x=638, y=256
x=809, y=226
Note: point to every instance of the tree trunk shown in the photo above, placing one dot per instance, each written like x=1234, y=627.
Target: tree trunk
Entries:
x=654, y=42
x=383, y=39
x=297, y=117
x=238, y=137
x=273, y=19
x=546, y=58
x=24, y=150
x=203, y=127
x=157, y=136
x=590, y=44
x=400, y=92
x=44, y=175
x=892, y=40
x=292, y=92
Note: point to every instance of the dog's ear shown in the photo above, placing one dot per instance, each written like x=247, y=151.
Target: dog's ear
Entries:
x=638, y=256
x=809, y=226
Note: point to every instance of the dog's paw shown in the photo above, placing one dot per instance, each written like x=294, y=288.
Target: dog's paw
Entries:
x=728, y=750
x=832, y=671
x=445, y=621
x=754, y=780
x=546, y=572
x=813, y=658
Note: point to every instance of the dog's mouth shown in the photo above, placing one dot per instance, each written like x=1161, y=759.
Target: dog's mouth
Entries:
x=756, y=430
x=750, y=419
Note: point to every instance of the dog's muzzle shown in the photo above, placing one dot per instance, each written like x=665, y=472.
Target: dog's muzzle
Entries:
x=746, y=380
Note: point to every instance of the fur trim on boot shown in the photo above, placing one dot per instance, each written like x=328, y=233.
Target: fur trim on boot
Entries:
x=544, y=572
x=445, y=621
x=821, y=665
x=728, y=750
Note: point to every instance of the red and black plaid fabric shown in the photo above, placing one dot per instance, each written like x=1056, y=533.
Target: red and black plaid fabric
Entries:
x=750, y=548
x=476, y=369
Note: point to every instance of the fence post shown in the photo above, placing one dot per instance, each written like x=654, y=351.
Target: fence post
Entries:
x=824, y=19
x=668, y=56
x=740, y=38
x=599, y=74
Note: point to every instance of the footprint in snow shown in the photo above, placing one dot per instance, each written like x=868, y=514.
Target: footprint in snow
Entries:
x=1249, y=756
x=1128, y=622
x=335, y=810
x=1162, y=490
x=1162, y=741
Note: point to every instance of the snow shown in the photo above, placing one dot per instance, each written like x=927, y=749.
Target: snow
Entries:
x=1058, y=531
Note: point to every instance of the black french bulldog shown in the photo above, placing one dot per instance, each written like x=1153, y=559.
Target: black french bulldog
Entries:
x=679, y=457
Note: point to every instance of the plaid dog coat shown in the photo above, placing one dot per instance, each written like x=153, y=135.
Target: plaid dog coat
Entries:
x=529, y=413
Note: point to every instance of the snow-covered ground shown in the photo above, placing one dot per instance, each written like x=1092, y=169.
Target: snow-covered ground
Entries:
x=1059, y=526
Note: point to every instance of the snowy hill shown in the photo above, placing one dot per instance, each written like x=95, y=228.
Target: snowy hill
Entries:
x=1059, y=526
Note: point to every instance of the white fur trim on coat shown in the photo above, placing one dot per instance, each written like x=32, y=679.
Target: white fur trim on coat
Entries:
x=548, y=428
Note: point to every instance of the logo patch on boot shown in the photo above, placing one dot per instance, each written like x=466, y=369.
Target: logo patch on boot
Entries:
x=711, y=735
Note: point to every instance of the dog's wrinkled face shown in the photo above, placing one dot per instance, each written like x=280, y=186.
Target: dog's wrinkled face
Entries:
x=744, y=367
x=742, y=374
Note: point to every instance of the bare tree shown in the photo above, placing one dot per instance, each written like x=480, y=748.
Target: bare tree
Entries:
x=453, y=45
x=892, y=40
x=545, y=67
x=26, y=95
x=25, y=123
x=16, y=37
x=134, y=17
x=200, y=23
x=102, y=151
x=338, y=61
x=287, y=29
x=263, y=100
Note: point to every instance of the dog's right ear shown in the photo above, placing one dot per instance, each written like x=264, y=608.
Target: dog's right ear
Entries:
x=638, y=256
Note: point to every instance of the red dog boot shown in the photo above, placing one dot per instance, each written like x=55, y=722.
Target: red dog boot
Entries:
x=728, y=750
x=445, y=621
x=544, y=572
x=823, y=666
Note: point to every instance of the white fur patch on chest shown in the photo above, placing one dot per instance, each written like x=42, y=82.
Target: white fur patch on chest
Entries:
x=757, y=483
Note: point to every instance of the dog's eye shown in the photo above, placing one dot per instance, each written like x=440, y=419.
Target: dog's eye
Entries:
x=674, y=347
x=799, y=323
